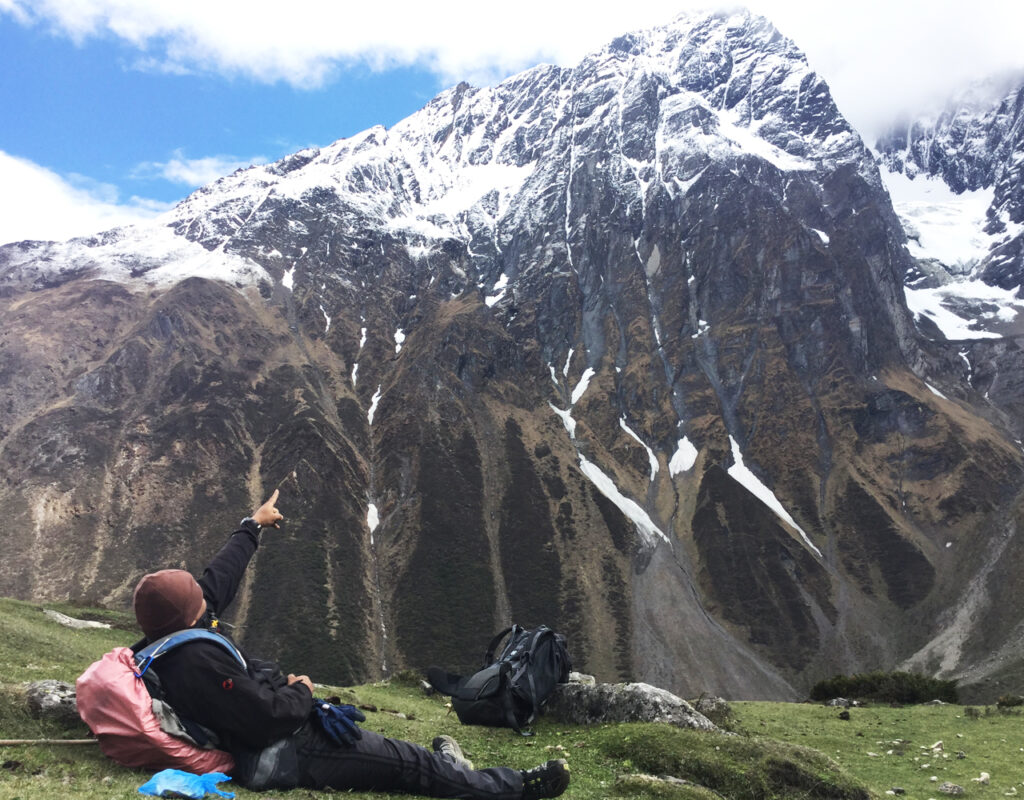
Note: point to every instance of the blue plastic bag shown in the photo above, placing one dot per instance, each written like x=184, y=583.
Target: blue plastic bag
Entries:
x=177, y=783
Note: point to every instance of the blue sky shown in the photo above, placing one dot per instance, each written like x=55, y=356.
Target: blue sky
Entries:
x=83, y=109
x=115, y=109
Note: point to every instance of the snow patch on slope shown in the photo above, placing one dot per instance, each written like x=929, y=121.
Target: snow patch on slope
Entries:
x=644, y=525
x=683, y=458
x=746, y=140
x=373, y=406
x=567, y=420
x=966, y=309
x=581, y=387
x=651, y=458
x=499, y=291
x=740, y=473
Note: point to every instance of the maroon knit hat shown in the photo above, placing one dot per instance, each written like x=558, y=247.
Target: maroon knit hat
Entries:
x=166, y=601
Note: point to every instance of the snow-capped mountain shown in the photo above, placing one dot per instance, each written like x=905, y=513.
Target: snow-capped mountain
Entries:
x=621, y=348
x=454, y=169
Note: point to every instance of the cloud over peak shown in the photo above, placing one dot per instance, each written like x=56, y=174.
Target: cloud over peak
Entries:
x=193, y=172
x=878, y=55
x=40, y=204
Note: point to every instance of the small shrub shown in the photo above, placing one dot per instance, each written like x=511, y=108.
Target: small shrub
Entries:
x=972, y=713
x=906, y=688
x=1010, y=701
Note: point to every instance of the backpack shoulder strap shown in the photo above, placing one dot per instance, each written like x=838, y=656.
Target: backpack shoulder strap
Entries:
x=148, y=654
x=493, y=646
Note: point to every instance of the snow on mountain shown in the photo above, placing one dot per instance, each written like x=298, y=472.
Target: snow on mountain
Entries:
x=470, y=165
x=948, y=229
x=644, y=525
x=740, y=473
x=150, y=253
x=941, y=224
x=954, y=178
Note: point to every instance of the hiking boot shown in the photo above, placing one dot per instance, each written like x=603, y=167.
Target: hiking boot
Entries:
x=447, y=746
x=547, y=780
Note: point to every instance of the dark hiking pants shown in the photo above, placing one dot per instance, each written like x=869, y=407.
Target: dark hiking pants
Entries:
x=392, y=765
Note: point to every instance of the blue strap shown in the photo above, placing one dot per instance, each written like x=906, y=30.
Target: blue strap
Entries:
x=148, y=654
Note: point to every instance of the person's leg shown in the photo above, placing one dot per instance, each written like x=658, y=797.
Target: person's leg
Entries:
x=379, y=763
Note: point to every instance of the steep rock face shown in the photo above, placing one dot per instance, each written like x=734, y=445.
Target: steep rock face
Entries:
x=621, y=348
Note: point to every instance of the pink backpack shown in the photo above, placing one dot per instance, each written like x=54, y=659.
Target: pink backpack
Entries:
x=116, y=705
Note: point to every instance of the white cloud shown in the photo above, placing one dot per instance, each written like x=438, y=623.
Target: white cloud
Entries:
x=37, y=203
x=307, y=43
x=13, y=7
x=193, y=171
x=884, y=57
x=879, y=56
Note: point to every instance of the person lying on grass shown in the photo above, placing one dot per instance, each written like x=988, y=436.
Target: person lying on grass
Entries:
x=278, y=734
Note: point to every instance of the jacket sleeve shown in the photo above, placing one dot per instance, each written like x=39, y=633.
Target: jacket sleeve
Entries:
x=209, y=686
x=223, y=575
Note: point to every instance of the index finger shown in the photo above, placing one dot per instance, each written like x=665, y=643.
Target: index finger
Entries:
x=273, y=497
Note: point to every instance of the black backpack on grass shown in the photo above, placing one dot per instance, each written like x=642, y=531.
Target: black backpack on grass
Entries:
x=509, y=691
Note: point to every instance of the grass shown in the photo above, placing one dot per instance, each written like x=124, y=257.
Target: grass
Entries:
x=888, y=747
x=779, y=750
x=33, y=647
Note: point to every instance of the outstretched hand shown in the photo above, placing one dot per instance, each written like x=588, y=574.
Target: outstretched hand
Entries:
x=267, y=515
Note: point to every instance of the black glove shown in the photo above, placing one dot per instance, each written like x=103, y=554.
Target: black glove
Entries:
x=339, y=722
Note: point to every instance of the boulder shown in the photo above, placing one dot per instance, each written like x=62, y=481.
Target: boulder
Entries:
x=712, y=707
x=582, y=678
x=54, y=700
x=71, y=622
x=580, y=704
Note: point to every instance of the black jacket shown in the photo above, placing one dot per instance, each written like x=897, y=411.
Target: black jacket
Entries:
x=247, y=708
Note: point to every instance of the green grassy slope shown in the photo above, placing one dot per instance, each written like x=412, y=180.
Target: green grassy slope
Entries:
x=770, y=758
x=889, y=748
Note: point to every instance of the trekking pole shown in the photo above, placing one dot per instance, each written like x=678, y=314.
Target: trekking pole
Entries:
x=18, y=742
